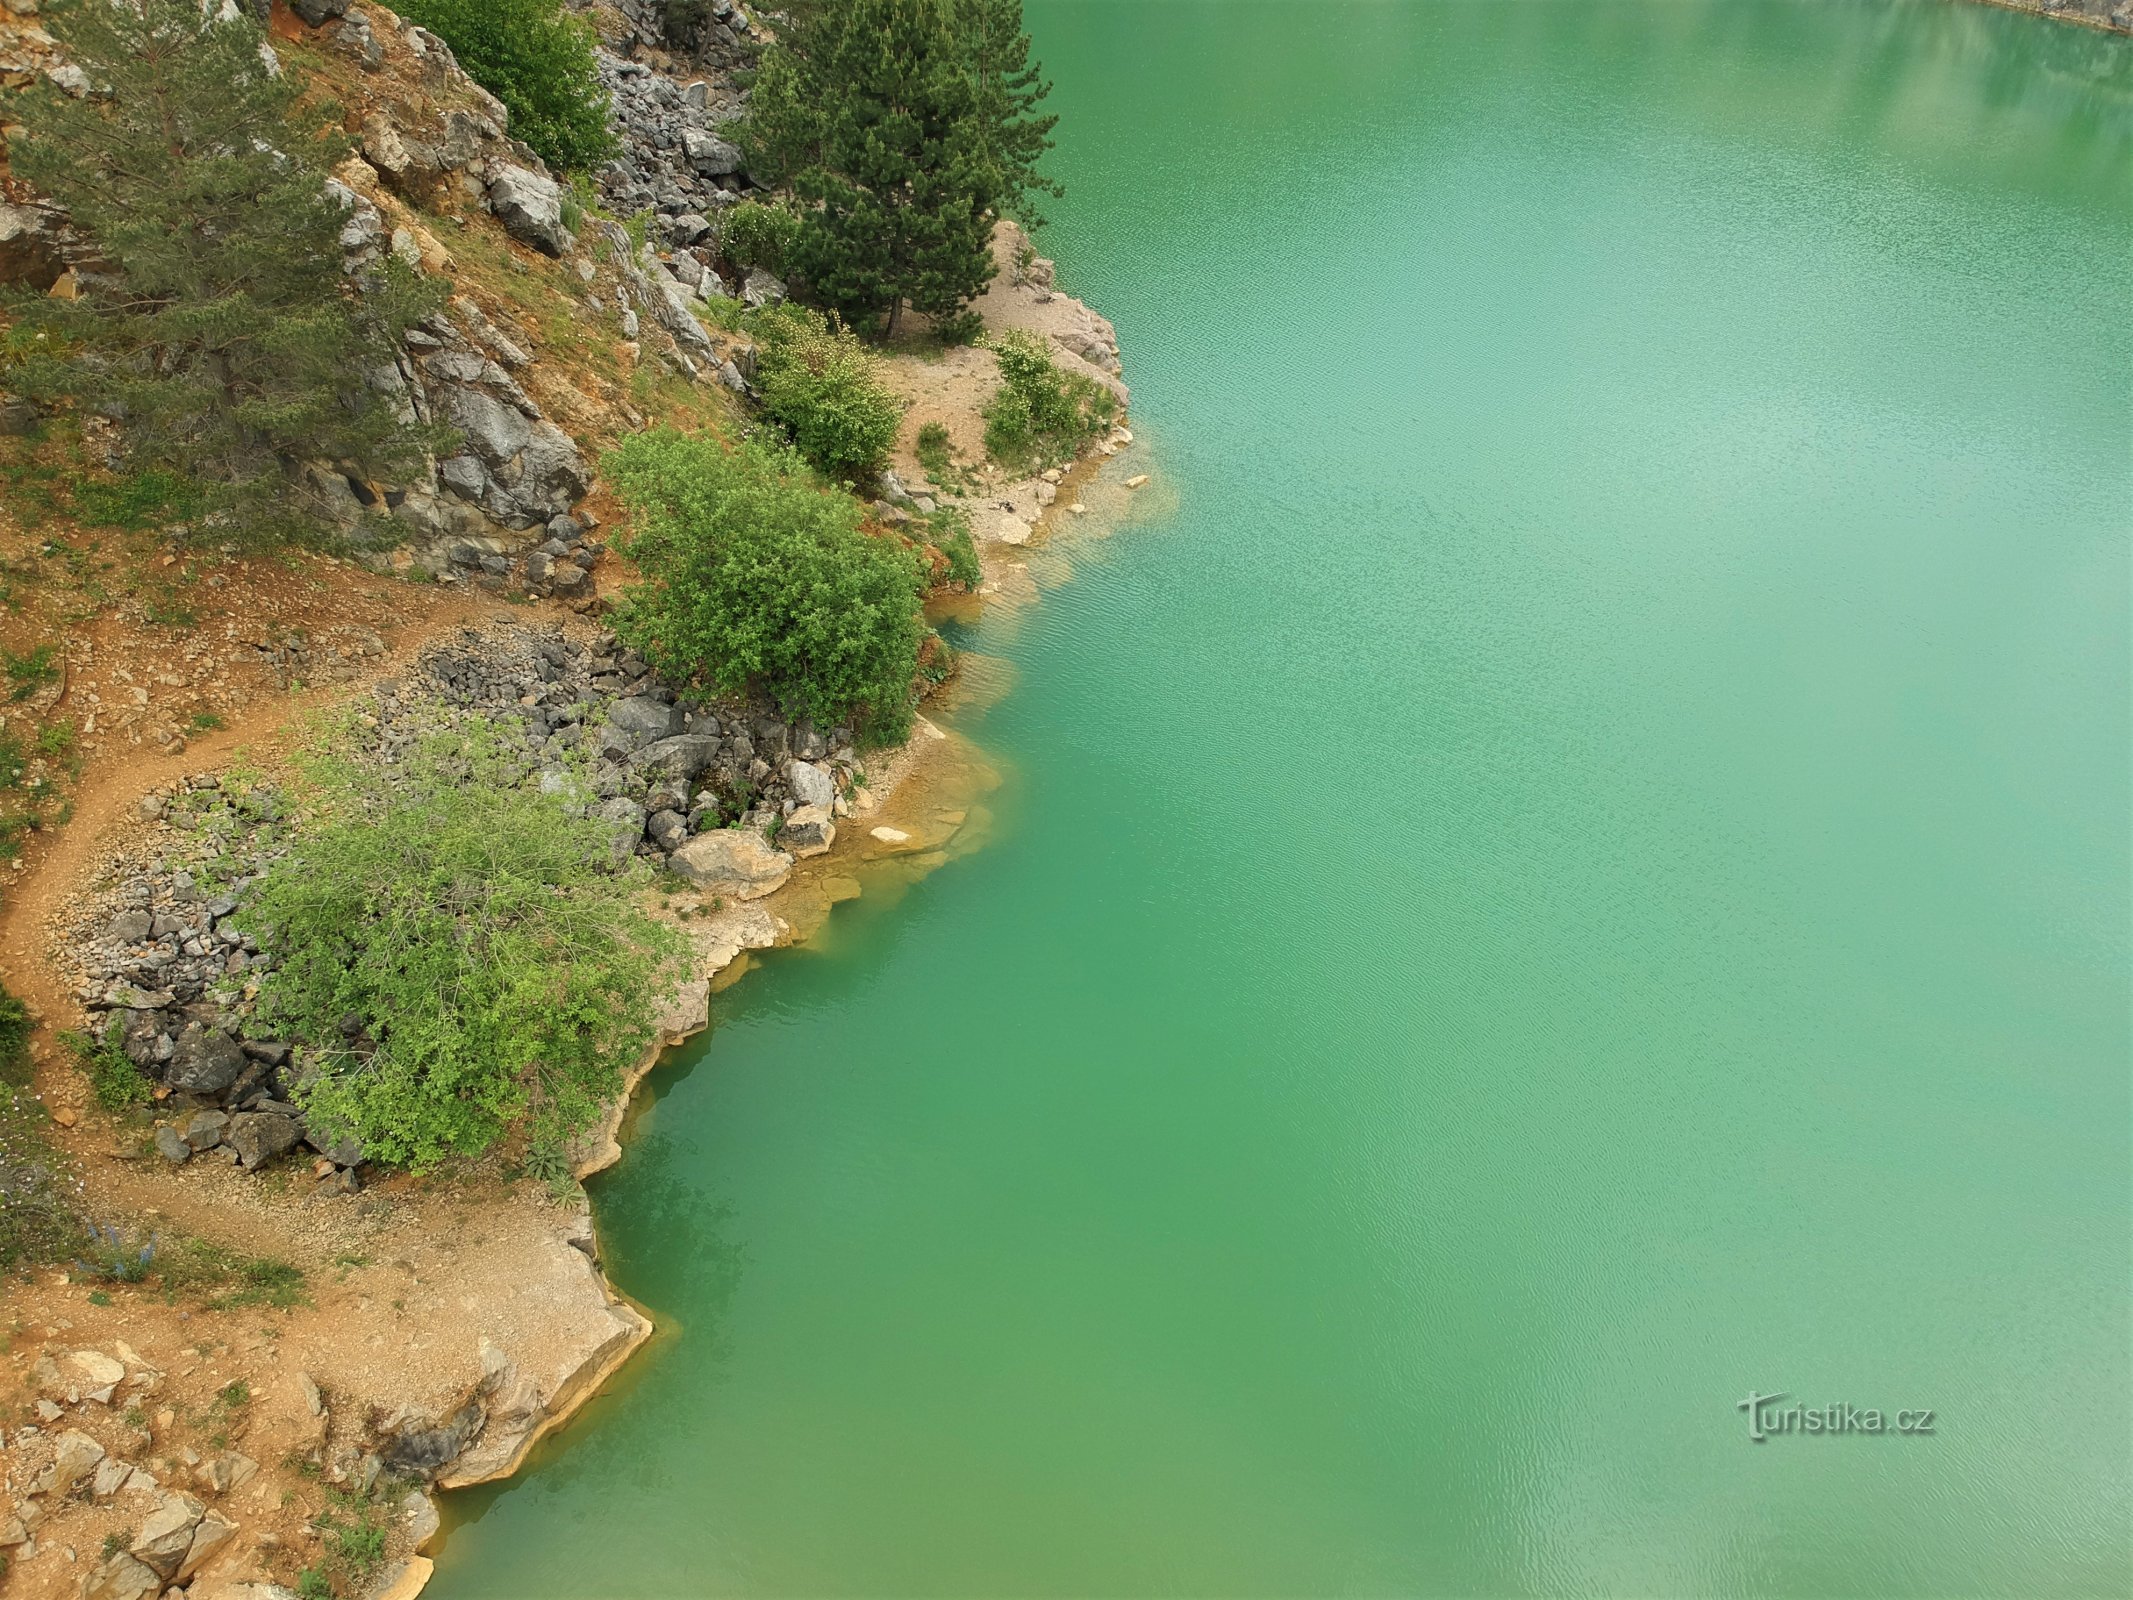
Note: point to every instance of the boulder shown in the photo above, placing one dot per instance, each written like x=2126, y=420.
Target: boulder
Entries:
x=29, y=248
x=120, y=1577
x=74, y=1457
x=342, y=1149
x=204, y=1129
x=92, y=1369
x=763, y=289
x=667, y=829
x=732, y=861
x=259, y=1136
x=171, y=1145
x=167, y=1535
x=208, y=1538
x=317, y=12
x=129, y=927
x=530, y=206
x=811, y=786
x=205, y=1062
x=642, y=720
x=552, y=474
x=680, y=757
x=422, y=1452
x=496, y=431
x=709, y=154
x=808, y=831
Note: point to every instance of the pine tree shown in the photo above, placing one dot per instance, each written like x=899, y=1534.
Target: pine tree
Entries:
x=216, y=326
x=905, y=129
x=1009, y=87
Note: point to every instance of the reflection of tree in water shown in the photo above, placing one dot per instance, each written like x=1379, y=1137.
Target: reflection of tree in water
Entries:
x=662, y=1240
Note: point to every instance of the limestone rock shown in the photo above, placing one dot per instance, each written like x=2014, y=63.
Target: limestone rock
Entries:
x=208, y=1538
x=206, y=1061
x=530, y=206
x=496, y=431
x=732, y=861
x=680, y=757
x=120, y=1577
x=687, y=1011
x=422, y=1452
x=762, y=289
x=74, y=1457
x=641, y=719
x=418, y=1515
x=259, y=1136
x=808, y=831
x=167, y=1535
x=811, y=786
x=92, y=1369
x=29, y=247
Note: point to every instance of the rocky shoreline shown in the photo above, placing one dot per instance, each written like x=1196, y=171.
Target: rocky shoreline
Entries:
x=435, y=1331
x=160, y=961
x=2113, y=16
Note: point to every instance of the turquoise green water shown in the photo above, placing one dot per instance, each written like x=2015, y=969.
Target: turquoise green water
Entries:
x=1573, y=866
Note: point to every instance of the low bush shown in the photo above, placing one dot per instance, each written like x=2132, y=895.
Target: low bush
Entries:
x=114, y=1080
x=759, y=233
x=14, y=1038
x=1041, y=416
x=538, y=60
x=948, y=530
x=757, y=581
x=459, y=952
x=818, y=384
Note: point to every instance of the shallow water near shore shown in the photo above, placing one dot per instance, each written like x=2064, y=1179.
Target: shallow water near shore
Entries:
x=1572, y=868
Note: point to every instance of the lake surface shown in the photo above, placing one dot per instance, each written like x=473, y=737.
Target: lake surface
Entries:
x=1569, y=865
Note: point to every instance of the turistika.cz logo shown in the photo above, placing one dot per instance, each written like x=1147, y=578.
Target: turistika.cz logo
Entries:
x=1768, y=1415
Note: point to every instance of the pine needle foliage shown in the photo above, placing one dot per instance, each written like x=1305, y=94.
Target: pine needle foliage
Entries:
x=905, y=129
x=759, y=581
x=458, y=951
x=216, y=327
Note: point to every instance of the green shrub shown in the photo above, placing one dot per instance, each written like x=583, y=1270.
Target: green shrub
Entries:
x=949, y=532
x=756, y=233
x=14, y=1037
x=1041, y=416
x=538, y=60
x=483, y=937
x=114, y=1080
x=137, y=501
x=818, y=383
x=758, y=581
